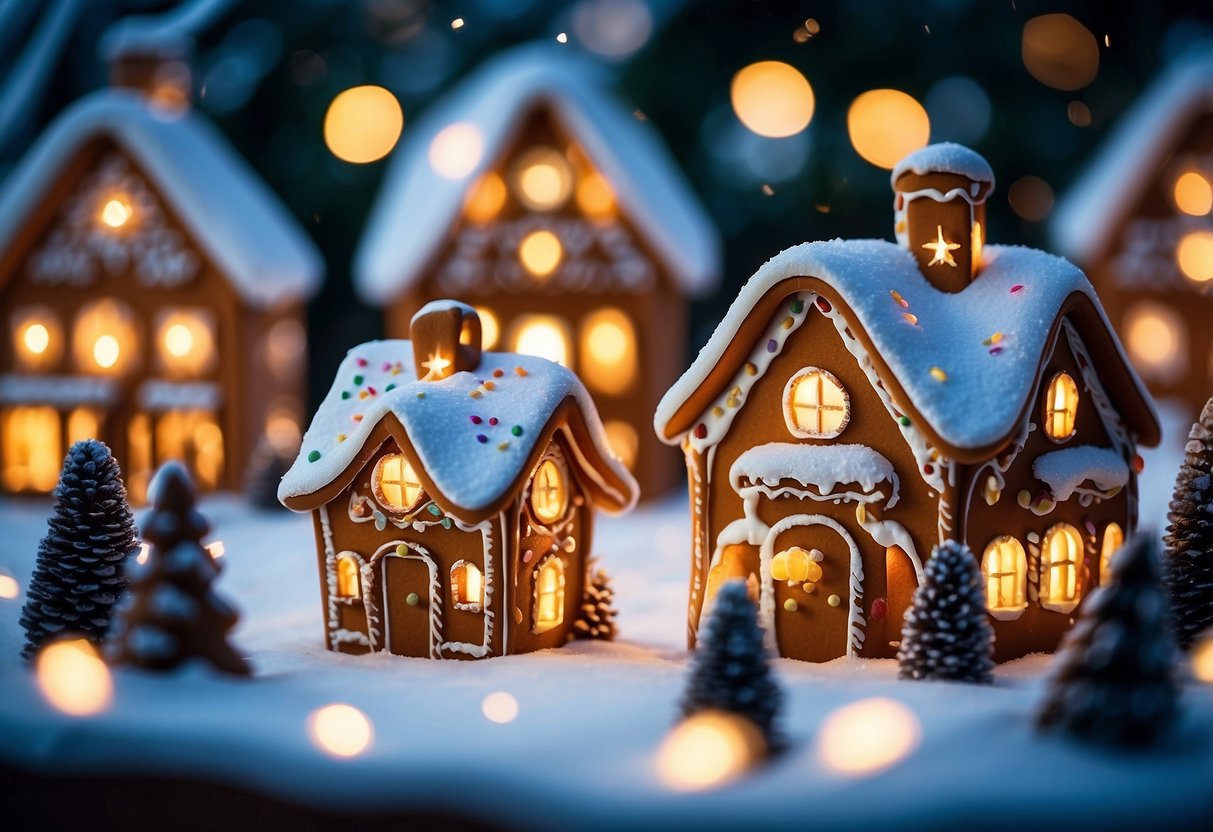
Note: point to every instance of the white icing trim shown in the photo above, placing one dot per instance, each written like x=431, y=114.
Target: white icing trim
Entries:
x=889, y=533
x=480, y=650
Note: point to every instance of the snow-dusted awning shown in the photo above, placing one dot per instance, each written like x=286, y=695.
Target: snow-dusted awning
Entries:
x=822, y=467
x=1065, y=470
x=186, y=395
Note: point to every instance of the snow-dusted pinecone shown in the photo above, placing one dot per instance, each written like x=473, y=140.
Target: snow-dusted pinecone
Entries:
x=597, y=618
x=1189, y=539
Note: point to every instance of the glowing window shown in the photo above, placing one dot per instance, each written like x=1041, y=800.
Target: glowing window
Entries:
x=1195, y=255
x=32, y=457
x=1060, y=563
x=543, y=179
x=1005, y=569
x=544, y=335
x=490, y=329
x=105, y=338
x=37, y=338
x=1113, y=539
x=815, y=405
x=83, y=423
x=1157, y=340
x=185, y=341
x=623, y=441
x=1061, y=407
x=540, y=253
x=595, y=197
x=396, y=485
x=348, y=584
x=467, y=586
x=139, y=464
x=1193, y=194
x=193, y=436
x=549, y=594
x=485, y=199
x=549, y=493
x=608, y=351
x=115, y=212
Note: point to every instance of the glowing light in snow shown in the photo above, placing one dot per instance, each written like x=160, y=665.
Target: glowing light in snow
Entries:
x=499, y=707
x=9, y=589
x=363, y=124
x=73, y=678
x=772, y=99
x=885, y=125
x=1193, y=194
x=340, y=730
x=216, y=549
x=867, y=736
x=1060, y=52
x=708, y=749
x=116, y=212
x=455, y=151
x=1195, y=255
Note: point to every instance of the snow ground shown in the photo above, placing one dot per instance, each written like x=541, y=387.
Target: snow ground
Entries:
x=581, y=752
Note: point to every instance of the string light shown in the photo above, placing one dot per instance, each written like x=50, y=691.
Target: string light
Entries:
x=708, y=749
x=340, y=730
x=885, y=125
x=499, y=707
x=772, y=99
x=867, y=736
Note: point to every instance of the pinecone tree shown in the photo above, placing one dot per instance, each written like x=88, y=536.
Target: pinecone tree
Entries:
x=946, y=634
x=730, y=669
x=597, y=618
x=1113, y=679
x=266, y=467
x=173, y=614
x=1189, y=539
x=80, y=573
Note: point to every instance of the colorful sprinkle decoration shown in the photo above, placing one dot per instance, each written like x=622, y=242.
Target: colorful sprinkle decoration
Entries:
x=911, y=318
x=345, y=394
x=1017, y=288
x=938, y=374
x=498, y=373
x=312, y=456
x=358, y=379
x=475, y=419
x=902, y=302
x=516, y=430
x=797, y=306
x=481, y=438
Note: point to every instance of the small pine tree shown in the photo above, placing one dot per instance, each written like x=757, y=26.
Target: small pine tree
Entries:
x=80, y=572
x=1113, y=679
x=266, y=467
x=597, y=618
x=174, y=615
x=946, y=635
x=730, y=670
x=1189, y=539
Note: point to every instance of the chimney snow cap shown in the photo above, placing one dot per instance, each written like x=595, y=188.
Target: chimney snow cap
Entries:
x=946, y=157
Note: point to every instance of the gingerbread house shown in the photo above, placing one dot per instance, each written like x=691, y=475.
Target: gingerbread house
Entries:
x=533, y=194
x=153, y=294
x=1140, y=223
x=453, y=494
x=863, y=400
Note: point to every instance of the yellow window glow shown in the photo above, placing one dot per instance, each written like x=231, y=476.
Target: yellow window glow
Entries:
x=1004, y=565
x=486, y=199
x=544, y=335
x=106, y=351
x=363, y=124
x=116, y=212
x=455, y=151
x=608, y=351
x=193, y=436
x=490, y=329
x=623, y=441
x=540, y=252
x=1061, y=559
x=37, y=337
x=467, y=586
x=816, y=405
x=549, y=493
x=1156, y=338
x=105, y=337
x=549, y=594
x=83, y=423
x=32, y=457
x=543, y=179
x=885, y=125
x=595, y=197
x=1113, y=539
x=348, y=584
x=187, y=343
x=1195, y=255
x=772, y=99
x=1193, y=194
x=139, y=462
x=396, y=485
x=1061, y=407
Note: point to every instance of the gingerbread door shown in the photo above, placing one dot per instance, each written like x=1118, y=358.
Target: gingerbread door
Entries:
x=409, y=612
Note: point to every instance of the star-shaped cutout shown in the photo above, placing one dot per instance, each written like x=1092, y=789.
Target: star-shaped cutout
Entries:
x=435, y=367
x=942, y=250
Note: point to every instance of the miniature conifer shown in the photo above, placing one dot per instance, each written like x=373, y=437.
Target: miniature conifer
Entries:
x=266, y=467
x=597, y=617
x=946, y=635
x=1113, y=680
x=1189, y=539
x=730, y=669
x=79, y=575
x=174, y=615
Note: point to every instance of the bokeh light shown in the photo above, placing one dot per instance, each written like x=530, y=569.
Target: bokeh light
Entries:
x=116, y=212
x=595, y=197
x=499, y=707
x=1202, y=658
x=1060, y=52
x=612, y=28
x=885, y=125
x=340, y=730
x=73, y=678
x=486, y=198
x=540, y=252
x=709, y=749
x=867, y=736
x=1195, y=255
x=363, y=124
x=622, y=438
x=455, y=151
x=772, y=99
x=9, y=588
x=959, y=110
x=1193, y=194
x=543, y=179
x=1156, y=338
x=490, y=330
x=1031, y=198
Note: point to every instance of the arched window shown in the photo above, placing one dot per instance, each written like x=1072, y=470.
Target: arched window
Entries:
x=815, y=405
x=1061, y=554
x=1061, y=407
x=348, y=584
x=1004, y=565
x=396, y=485
x=185, y=341
x=105, y=338
x=608, y=353
x=549, y=594
x=1113, y=539
x=467, y=586
x=549, y=492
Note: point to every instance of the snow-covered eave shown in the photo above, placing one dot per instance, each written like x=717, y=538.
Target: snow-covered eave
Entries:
x=1096, y=205
x=686, y=402
x=649, y=187
x=271, y=266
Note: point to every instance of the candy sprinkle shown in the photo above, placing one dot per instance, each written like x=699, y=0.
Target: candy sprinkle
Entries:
x=341, y=437
x=516, y=430
x=475, y=394
x=476, y=419
x=797, y=306
x=361, y=362
x=772, y=345
x=498, y=373
x=911, y=318
x=433, y=509
x=993, y=339
x=1017, y=288
x=357, y=417
x=312, y=456
x=488, y=385
x=481, y=438
x=345, y=394
x=503, y=446
x=905, y=304
x=421, y=395
x=493, y=420
x=938, y=374
x=357, y=379
x=520, y=371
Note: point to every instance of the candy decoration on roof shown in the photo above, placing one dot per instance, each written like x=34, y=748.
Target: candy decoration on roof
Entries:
x=1189, y=539
x=81, y=570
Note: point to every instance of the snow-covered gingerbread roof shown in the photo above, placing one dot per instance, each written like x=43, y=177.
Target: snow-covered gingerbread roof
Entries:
x=238, y=222
x=476, y=434
x=965, y=364
x=417, y=206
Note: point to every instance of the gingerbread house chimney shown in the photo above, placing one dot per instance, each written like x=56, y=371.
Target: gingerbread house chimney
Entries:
x=149, y=62
x=446, y=339
x=940, y=211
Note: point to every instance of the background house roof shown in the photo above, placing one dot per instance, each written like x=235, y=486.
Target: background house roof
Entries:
x=1097, y=204
x=416, y=206
x=231, y=214
x=981, y=397
x=472, y=463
